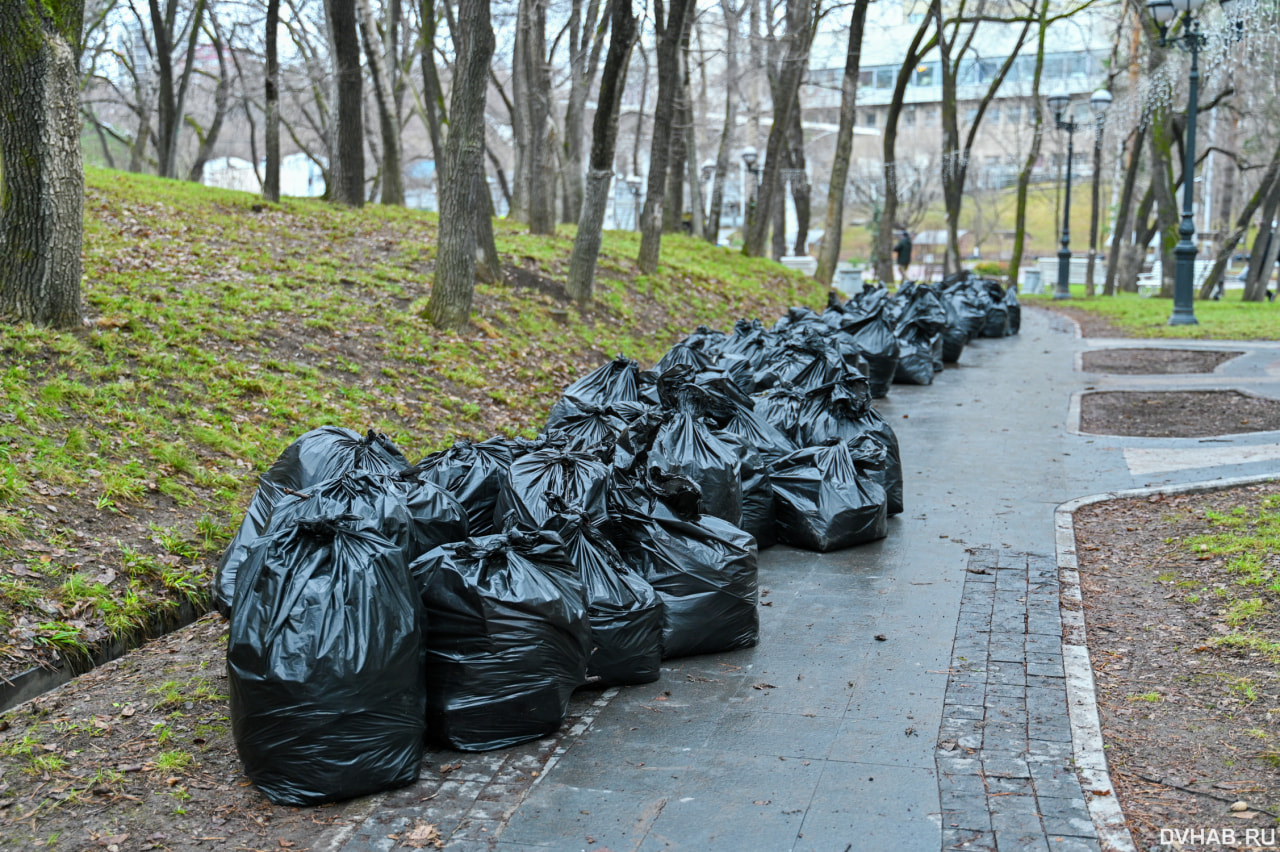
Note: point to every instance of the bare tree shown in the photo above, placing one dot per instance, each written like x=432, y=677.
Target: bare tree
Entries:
x=389, y=122
x=208, y=137
x=172, y=102
x=732, y=21
x=669, y=26
x=586, y=245
x=347, y=161
x=586, y=43
x=271, y=101
x=829, y=251
x=454, y=283
x=41, y=206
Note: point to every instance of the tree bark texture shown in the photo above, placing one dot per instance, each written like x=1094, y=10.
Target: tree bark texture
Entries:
x=347, y=160
x=732, y=20
x=221, y=98
x=1164, y=194
x=833, y=225
x=271, y=103
x=454, y=283
x=432, y=93
x=41, y=180
x=392, y=175
x=800, y=189
x=800, y=30
x=586, y=42
x=172, y=102
x=669, y=33
x=535, y=170
x=1263, y=256
x=604, y=140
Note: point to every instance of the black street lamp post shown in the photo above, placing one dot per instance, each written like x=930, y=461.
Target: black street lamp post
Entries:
x=1191, y=40
x=1058, y=105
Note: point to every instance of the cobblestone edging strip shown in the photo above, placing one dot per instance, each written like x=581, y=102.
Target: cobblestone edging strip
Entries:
x=1086, y=728
x=1005, y=773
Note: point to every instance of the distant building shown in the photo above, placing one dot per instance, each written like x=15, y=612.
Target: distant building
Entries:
x=231, y=173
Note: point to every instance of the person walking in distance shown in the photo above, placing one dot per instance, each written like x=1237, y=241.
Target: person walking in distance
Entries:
x=902, y=252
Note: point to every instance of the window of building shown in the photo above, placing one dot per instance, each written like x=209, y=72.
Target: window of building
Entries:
x=866, y=78
x=915, y=18
x=884, y=78
x=925, y=74
x=993, y=115
x=1013, y=114
x=970, y=114
x=869, y=118
x=908, y=116
x=1055, y=67
x=931, y=115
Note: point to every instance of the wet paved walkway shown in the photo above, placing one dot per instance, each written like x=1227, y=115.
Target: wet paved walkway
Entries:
x=907, y=694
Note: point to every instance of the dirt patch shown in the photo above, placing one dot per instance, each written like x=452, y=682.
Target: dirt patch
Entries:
x=1177, y=414
x=138, y=755
x=1154, y=361
x=1190, y=723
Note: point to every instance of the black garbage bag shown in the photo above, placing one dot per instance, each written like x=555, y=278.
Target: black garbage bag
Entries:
x=768, y=440
x=682, y=354
x=954, y=337
x=779, y=406
x=707, y=341
x=580, y=479
x=997, y=319
x=808, y=360
x=839, y=412
x=828, y=410
x=624, y=610
x=507, y=638
x=591, y=426
x=758, y=516
x=826, y=500
x=709, y=393
x=473, y=473
x=1015, y=309
x=317, y=456
x=415, y=515
x=617, y=381
x=873, y=337
x=324, y=662
x=915, y=355
x=685, y=447
x=704, y=568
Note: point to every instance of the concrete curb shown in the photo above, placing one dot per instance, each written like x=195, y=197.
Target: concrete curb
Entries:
x=1082, y=700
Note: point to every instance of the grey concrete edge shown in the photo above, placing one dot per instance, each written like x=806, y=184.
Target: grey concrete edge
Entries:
x=1082, y=702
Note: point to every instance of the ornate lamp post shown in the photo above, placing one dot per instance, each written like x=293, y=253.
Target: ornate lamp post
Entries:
x=1191, y=40
x=1058, y=105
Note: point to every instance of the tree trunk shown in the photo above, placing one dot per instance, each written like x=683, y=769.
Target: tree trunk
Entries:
x=732, y=20
x=883, y=249
x=681, y=133
x=1037, y=133
x=800, y=30
x=604, y=138
x=669, y=36
x=392, y=175
x=347, y=159
x=221, y=96
x=42, y=201
x=271, y=101
x=833, y=226
x=1164, y=195
x=432, y=93
x=1265, y=187
x=584, y=58
x=1263, y=256
x=172, y=102
x=454, y=283
x=1124, y=211
x=531, y=85
x=1094, y=202
x=800, y=190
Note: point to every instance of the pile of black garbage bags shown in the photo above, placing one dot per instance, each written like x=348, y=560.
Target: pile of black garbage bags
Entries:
x=376, y=605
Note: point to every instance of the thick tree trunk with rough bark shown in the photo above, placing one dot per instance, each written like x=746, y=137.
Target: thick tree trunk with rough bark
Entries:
x=800, y=189
x=800, y=30
x=604, y=140
x=454, y=283
x=1263, y=257
x=586, y=41
x=531, y=84
x=1164, y=194
x=346, y=161
x=41, y=181
x=669, y=33
x=271, y=104
x=392, y=175
x=432, y=93
x=833, y=226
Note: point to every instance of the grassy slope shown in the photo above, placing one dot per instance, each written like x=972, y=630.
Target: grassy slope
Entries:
x=1228, y=319
x=221, y=329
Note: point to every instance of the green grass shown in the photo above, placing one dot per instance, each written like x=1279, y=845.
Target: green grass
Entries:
x=1231, y=318
x=220, y=328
